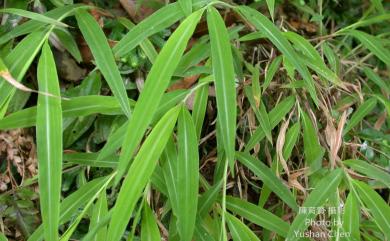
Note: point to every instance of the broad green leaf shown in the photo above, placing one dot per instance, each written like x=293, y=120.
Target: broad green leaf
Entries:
x=369, y=170
x=257, y=215
x=292, y=136
x=71, y=204
x=155, y=85
x=186, y=6
x=139, y=174
x=351, y=217
x=376, y=79
x=275, y=116
x=34, y=16
x=238, y=230
x=362, y=111
x=187, y=176
x=275, y=36
x=149, y=228
x=372, y=43
x=49, y=143
x=311, y=147
x=271, y=71
x=100, y=210
x=379, y=209
x=161, y=19
x=103, y=56
x=223, y=70
x=326, y=187
x=268, y=177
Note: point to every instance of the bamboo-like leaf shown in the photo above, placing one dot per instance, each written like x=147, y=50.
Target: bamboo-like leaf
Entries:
x=223, y=70
x=100, y=210
x=49, y=143
x=155, y=85
x=186, y=6
x=170, y=159
x=313, y=60
x=72, y=228
x=103, y=56
x=268, y=177
x=369, y=170
x=199, y=108
x=146, y=45
x=69, y=43
x=32, y=26
x=376, y=79
x=271, y=7
x=291, y=139
x=238, y=230
x=257, y=215
x=260, y=112
x=139, y=173
x=34, y=16
x=270, y=71
x=351, y=217
x=208, y=198
x=187, y=176
x=312, y=148
x=372, y=43
x=379, y=209
x=18, y=61
x=71, y=204
x=275, y=116
x=276, y=37
x=75, y=107
x=362, y=111
x=149, y=228
x=161, y=19
x=322, y=191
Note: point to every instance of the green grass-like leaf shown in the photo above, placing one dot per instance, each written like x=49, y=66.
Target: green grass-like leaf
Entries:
x=103, y=56
x=49, y=142
x=139, y=174
x=223, y=70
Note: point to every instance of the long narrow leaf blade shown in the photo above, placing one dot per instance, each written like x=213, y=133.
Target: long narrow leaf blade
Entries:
x=324, y=188
x=103, y=56
x=268, y=177
x=155, y=85
x=139, y=174
x=223, y=70
x=187, y=176
x=49, y=143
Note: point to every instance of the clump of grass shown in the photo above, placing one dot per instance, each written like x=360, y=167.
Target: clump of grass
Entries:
x=207, y=120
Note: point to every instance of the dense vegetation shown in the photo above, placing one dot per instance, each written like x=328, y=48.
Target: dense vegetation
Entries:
x=194, y=120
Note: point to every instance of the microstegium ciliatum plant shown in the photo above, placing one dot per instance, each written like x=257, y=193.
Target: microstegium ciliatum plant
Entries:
x=206, y=120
